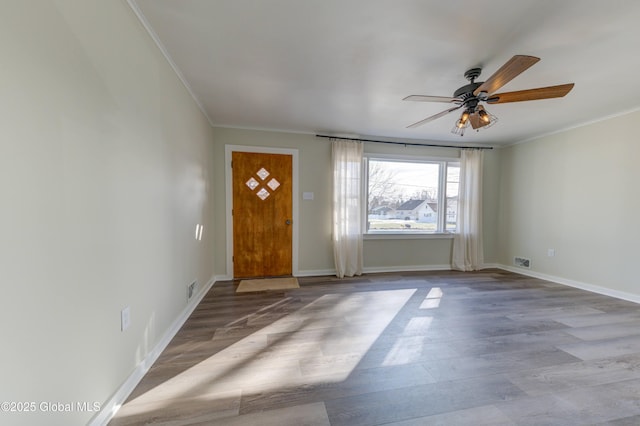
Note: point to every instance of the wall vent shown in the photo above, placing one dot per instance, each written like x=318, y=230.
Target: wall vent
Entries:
x=191, y=288
x=522, y=262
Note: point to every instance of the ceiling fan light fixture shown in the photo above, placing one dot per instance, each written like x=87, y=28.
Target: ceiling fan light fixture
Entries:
x=460, y=126
x=486, y=119
x=464, y=118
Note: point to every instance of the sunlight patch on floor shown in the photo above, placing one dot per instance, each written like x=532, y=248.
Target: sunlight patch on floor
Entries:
x=405, y=351
x=320, y=343
x=408, y=348
x=432, y=300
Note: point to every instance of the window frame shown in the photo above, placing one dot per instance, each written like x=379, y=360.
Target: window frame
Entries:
x=441, y=231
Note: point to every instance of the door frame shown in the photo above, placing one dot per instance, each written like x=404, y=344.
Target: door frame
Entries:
x=228, y=150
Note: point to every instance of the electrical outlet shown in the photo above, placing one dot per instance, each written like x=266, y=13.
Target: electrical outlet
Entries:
x=125, y=318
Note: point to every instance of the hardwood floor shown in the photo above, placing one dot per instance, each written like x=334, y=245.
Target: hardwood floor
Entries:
x=430, y=348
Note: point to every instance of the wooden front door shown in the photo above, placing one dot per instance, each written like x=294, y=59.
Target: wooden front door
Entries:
x=262, y=214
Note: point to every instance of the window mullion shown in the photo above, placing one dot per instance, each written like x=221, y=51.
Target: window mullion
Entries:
x=365, y=195
x=442, y=191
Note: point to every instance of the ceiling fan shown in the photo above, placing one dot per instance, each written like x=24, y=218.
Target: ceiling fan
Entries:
x=471, y=96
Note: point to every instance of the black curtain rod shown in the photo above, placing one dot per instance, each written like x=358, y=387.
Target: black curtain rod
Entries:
x=405, y=143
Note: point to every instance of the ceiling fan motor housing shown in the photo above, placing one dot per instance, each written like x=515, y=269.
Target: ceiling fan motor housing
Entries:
x=468, y=99
x=465, y=93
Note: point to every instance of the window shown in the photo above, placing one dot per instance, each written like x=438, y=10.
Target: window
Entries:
x=453, y=181
x=418, y=196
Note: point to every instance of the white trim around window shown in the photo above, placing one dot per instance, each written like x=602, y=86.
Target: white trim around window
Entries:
x=441, y=187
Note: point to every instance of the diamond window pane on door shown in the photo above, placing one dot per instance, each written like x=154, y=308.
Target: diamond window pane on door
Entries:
x=263, y=194
x=252, y=183
x=263, y=173
x=273, y=184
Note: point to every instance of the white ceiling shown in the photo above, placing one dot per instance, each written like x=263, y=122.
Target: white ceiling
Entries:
x=342, y=67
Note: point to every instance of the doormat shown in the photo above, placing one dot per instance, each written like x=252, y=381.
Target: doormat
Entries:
x=264, y=284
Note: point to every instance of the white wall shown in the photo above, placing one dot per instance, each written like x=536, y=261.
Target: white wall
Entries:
x=315, y=247
x=105, y=167
x=576, y=192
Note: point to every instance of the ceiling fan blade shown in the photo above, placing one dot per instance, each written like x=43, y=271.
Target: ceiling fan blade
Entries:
x=511, y=69
x=423, y=98
x=433, y=117
x=531, y=94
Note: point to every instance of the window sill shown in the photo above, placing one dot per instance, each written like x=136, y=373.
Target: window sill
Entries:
x=408, y=236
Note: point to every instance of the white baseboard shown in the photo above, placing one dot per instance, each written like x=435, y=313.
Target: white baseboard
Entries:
x=316, y=273
x=409, y=268
x=111, y=406
x=376, y=269
x=631, y=297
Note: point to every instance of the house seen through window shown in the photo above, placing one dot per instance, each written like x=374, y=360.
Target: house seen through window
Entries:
x=411, y=196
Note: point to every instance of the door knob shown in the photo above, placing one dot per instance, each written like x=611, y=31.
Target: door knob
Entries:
x=287, y=222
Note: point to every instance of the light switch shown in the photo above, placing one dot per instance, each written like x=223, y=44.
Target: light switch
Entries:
x=307, y=195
